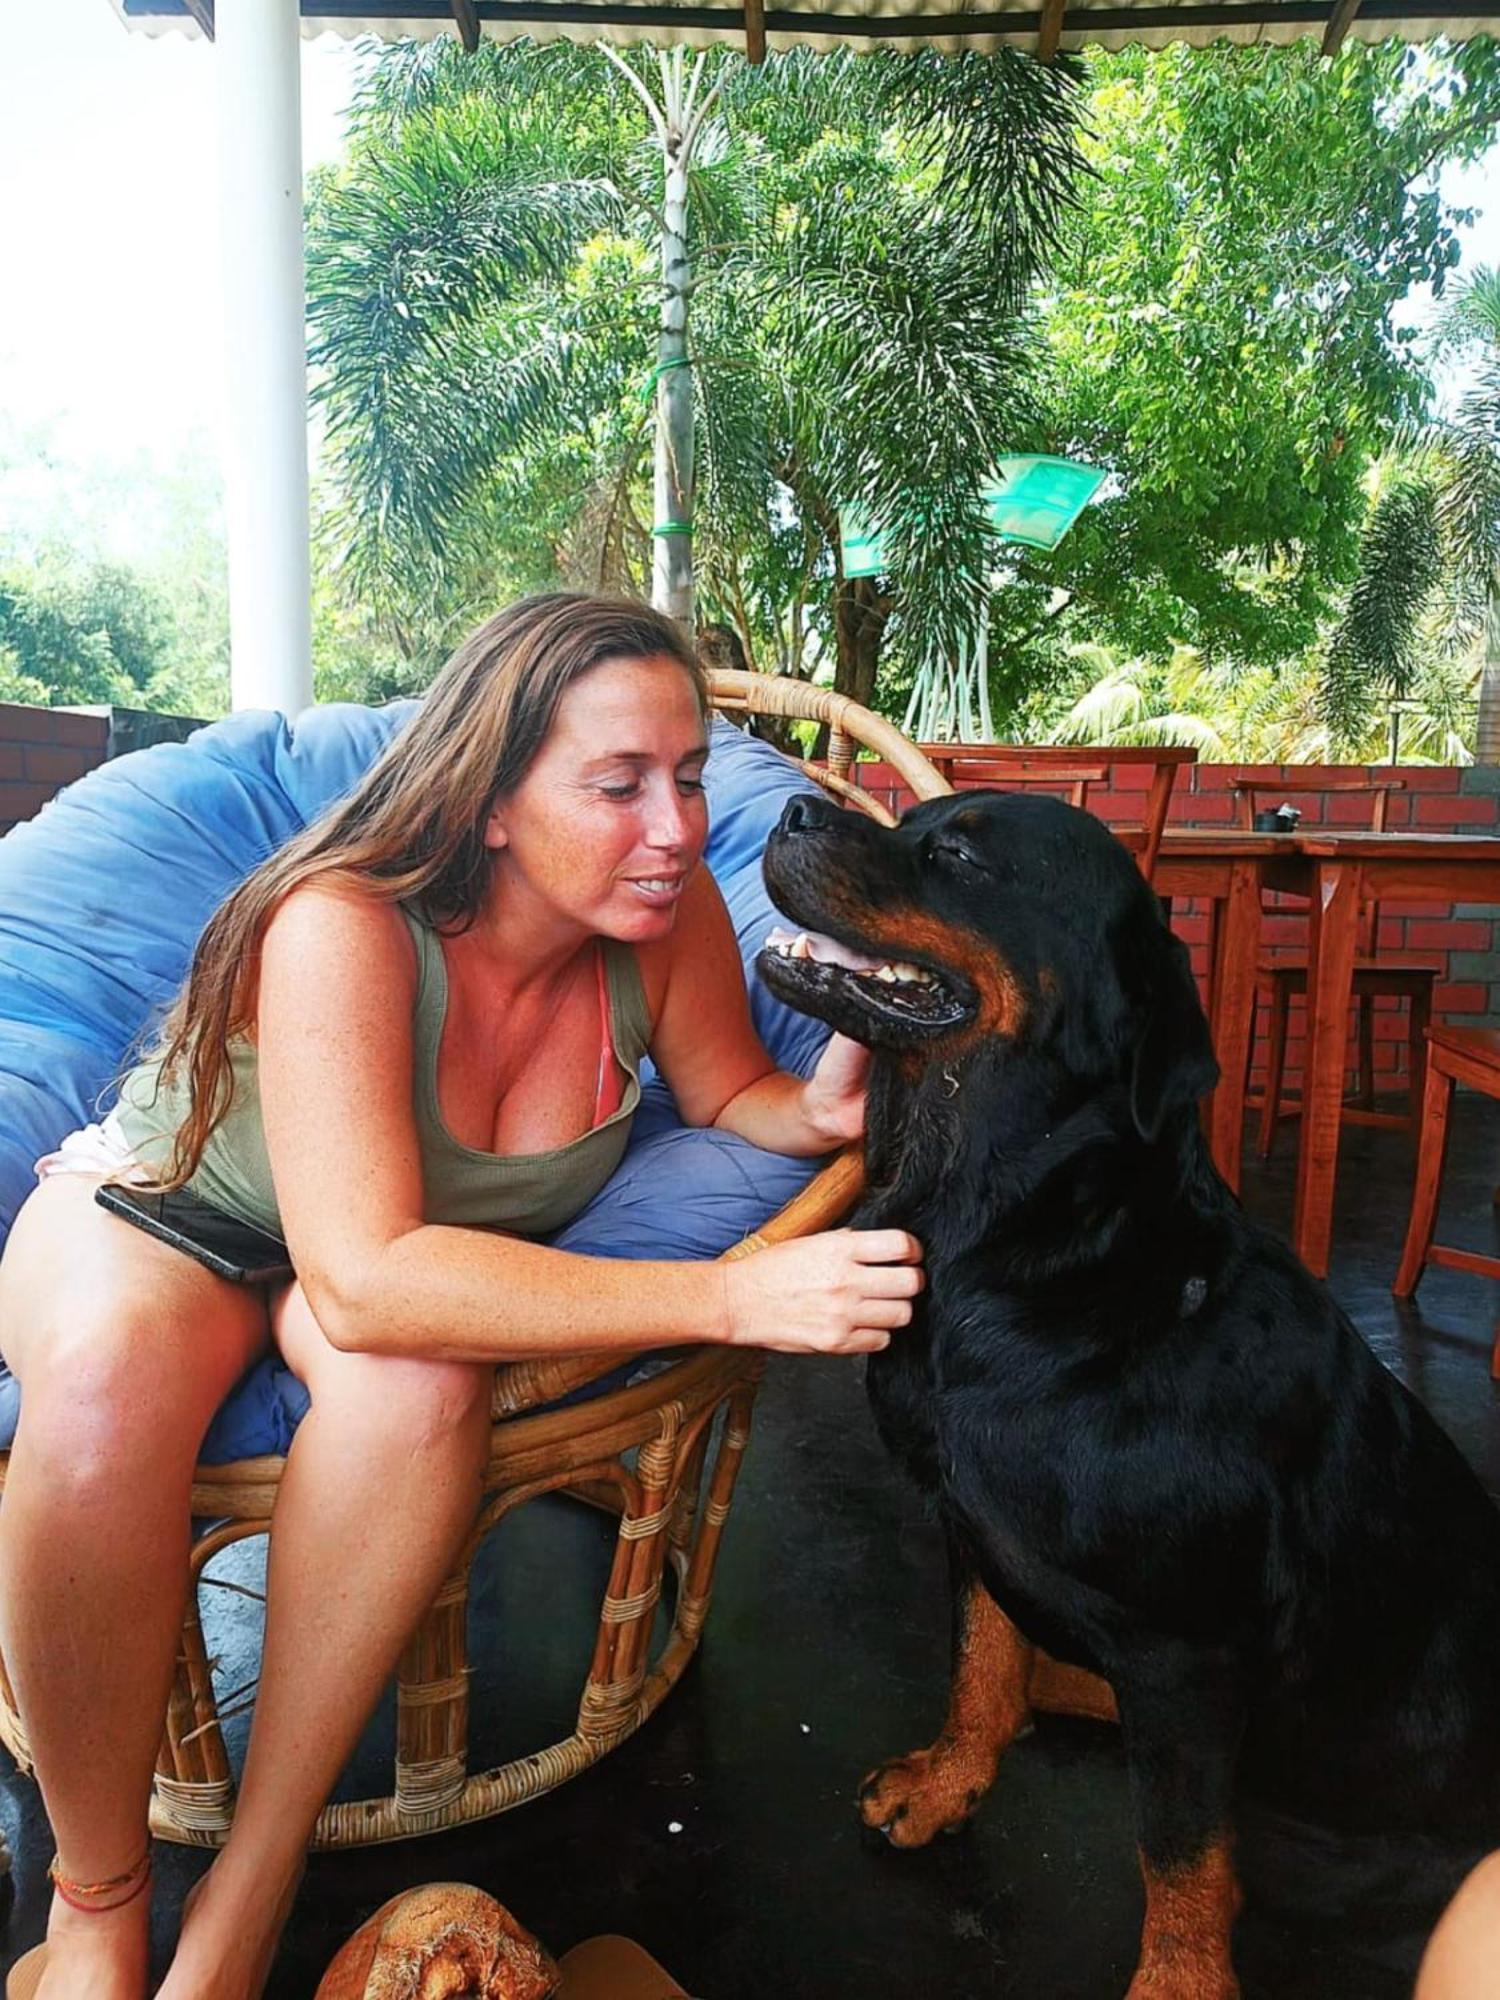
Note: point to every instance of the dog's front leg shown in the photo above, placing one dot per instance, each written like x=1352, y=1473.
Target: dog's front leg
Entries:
x=1181, y=1739
x=935, y=1790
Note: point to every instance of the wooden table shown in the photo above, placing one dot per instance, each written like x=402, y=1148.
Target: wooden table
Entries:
x=1335, y=871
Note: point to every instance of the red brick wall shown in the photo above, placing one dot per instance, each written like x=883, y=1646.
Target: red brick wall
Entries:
x=41, y=750
x=1463, y=941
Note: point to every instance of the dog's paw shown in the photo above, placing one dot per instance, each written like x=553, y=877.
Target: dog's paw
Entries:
x=913, y=1799
x=1184, y=1978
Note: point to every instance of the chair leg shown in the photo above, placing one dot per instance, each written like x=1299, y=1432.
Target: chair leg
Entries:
x=1280, y=1006
x=1432, y=1145
x=1416, y=1056
x=1365, y=1087
x=432, y=1704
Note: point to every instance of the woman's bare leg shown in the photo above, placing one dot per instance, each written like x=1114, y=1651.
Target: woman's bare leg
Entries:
x=124, y=1348
x=380, y=1488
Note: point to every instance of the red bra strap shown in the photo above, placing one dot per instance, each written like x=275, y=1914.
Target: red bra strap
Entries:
x=609, y=1090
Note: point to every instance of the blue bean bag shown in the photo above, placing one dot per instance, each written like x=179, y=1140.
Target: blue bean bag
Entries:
x=102, y=897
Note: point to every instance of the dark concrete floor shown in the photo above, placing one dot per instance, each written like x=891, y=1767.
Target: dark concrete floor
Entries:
x=723, y=1835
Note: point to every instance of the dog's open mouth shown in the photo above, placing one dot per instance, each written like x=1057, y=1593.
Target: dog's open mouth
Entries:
x=807, y=968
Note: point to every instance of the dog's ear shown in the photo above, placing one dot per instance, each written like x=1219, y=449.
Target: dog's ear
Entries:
x=1173, y=1061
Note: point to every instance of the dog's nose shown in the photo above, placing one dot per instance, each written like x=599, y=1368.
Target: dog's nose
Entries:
x=807, y=815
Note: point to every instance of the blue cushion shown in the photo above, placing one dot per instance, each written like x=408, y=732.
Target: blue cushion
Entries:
x=102, y=898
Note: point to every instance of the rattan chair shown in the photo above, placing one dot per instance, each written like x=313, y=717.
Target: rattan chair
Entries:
x=650, y=1453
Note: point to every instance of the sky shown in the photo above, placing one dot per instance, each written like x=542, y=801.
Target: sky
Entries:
x=110, y=330
x=109, y=307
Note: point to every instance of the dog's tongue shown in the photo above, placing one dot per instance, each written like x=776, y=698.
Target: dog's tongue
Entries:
x=827, y=950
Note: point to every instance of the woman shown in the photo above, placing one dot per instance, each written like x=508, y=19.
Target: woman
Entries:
x=407, y=1043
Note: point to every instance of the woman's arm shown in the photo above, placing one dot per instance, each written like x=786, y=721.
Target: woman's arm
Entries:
x=706, y=1046
x=337, y=983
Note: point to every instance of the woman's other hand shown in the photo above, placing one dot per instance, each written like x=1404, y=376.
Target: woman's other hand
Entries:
x=834, y=1095
x=843, y=1292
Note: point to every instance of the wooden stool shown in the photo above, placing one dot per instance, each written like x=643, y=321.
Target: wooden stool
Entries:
x=1454, y=1055
x=1282, y=976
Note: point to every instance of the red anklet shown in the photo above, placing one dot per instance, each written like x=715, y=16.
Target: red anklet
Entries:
x=97, y=1899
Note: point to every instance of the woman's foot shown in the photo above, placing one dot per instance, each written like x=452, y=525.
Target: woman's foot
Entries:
x=230, y=1931
x=96, y=1954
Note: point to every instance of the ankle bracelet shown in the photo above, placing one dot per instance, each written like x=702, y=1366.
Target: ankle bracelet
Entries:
x=96, y=1899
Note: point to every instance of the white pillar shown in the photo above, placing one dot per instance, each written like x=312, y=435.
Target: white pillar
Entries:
x=260, y=173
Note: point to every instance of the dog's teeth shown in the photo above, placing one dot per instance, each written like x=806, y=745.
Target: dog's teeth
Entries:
x=801, y=946
x=905, y=973
x=888, y=973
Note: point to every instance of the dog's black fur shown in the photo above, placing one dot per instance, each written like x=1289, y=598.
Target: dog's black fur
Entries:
x=1151, y=1434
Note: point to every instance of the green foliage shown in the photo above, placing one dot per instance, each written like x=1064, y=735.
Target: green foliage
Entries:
x=1248, y=715
x=1374, y=651
x=1425, y=599
x=864, y=233
x=1225, y=330
x=94, y=633
x=83, y=622
x=1466, y=448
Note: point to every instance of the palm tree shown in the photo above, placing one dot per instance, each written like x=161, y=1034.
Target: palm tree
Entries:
x=1469, y=506
x=1233, y=713
x=1427, y=596
x=830, y=257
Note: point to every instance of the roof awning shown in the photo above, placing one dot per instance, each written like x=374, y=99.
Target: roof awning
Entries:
x=866, y=24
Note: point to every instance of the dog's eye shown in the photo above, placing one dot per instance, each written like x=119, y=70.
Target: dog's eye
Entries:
x=949, y=853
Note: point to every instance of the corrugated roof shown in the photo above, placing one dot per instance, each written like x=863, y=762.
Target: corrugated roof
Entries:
x=864, y=24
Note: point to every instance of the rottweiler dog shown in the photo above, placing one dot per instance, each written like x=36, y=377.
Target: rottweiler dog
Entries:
x=1158, y=1448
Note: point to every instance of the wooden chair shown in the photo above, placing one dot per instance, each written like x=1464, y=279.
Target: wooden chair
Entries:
x=1069, y=782
x=652, y=1454
x=1283, y=974
x=1005, y=765
x=1454, y=1055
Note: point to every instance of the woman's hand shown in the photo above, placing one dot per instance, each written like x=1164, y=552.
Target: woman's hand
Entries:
x=833, y=1097
x=842, y=1292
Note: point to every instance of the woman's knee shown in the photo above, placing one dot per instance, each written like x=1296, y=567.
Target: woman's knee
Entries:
x=426, y=1405
x=105, y=1391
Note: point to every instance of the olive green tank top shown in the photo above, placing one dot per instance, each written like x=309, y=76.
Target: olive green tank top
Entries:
x=528, y=1194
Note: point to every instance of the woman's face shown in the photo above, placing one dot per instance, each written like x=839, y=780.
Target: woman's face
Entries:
x=610, y=819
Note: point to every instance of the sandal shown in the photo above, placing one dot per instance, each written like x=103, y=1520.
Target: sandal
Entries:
x=26, y=1974
x=614, y=1968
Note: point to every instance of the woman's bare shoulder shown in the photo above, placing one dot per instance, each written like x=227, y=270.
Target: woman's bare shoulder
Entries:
x=335, y=925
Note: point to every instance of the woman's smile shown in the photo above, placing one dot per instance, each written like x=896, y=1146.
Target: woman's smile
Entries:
x=661, y=891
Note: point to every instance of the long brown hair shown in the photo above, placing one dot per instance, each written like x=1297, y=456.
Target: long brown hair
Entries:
x=412, y=830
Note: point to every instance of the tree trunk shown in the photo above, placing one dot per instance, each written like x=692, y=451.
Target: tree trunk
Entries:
x=860, y=609
x=1487, y=732
x=672, y=567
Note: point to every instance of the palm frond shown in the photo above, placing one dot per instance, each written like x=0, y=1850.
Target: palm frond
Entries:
x=1373, y=652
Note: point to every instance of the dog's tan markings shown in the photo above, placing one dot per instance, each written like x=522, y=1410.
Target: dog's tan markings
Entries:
x=907, y=933
x=1059, y=1689
x=935, y=1790
x=1185, y=1940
